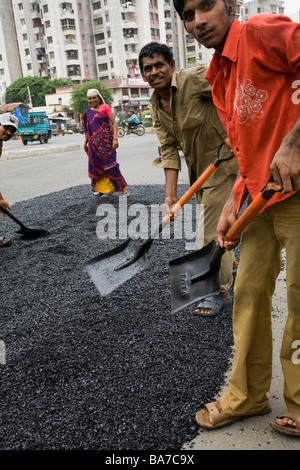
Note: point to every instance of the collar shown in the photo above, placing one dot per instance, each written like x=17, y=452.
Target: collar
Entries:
x=174, y=85
x=230, y=51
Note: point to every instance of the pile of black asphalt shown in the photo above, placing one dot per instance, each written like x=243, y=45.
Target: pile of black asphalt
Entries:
x=86, y=372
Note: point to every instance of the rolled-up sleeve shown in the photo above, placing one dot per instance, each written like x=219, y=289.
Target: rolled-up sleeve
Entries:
x=169, y=155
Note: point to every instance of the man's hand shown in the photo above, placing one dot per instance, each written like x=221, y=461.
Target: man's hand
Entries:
x=4, y=204
x=227, y=219
x=285, y=166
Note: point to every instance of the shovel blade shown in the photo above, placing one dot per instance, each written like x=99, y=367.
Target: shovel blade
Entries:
x=193, y=277
x=105, y=271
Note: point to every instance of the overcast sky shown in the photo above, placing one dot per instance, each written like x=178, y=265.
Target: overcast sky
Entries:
x=291, y=6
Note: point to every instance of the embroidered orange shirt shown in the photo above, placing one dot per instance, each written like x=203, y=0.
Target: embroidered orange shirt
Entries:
x=256, y=88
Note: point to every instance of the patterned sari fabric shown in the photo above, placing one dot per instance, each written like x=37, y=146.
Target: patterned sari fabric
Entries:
x=102, y=157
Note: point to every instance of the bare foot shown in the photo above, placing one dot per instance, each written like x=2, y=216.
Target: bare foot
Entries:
x=286, y=422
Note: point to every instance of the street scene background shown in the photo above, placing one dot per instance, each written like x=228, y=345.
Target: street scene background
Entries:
x=50, y=313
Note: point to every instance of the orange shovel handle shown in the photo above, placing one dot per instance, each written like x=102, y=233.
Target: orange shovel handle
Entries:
x=256, y=205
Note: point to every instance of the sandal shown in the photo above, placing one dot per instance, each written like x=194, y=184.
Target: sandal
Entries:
x=126, y=194
x=288, y=429
x=107, y=194
x=5, y=242
x=213, y=417
x=213, y=303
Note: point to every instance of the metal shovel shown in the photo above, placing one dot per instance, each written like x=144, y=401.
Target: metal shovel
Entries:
x=110, y=270
x=25, y=231
x=196, y=275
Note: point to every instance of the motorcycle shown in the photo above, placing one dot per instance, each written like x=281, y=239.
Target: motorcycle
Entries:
x=138, y=129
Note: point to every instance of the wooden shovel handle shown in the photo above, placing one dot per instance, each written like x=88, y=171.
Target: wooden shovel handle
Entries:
x=256, y=205
x=13, y=217
x=193, y=189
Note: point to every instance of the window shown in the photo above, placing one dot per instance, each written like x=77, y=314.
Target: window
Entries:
x=29, y=67
x=47, y=24
x=96, y=6
x=68, y=23
x=27, y=51
x=101, y=51
x=20, y=6
x=102, y=67
x=49, y=40
x=144, y=92
x=22, y=21
x=79, y=7
x=45, y=8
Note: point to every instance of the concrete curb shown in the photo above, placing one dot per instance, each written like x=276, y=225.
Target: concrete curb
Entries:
x=38, y=151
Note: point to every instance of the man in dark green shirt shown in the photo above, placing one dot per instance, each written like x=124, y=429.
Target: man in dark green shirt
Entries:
x=184, y=116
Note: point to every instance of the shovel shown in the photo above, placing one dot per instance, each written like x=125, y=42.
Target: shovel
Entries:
x=25, y=231
x=196, y=275
x=110, y=270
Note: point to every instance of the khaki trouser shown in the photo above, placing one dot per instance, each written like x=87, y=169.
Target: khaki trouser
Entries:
x=259, y=266
x=213, y=200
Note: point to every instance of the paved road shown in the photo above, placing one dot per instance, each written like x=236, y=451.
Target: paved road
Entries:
x=28, y=176
x=62, y=169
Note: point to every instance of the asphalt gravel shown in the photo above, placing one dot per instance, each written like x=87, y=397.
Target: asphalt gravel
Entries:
x=87, y=372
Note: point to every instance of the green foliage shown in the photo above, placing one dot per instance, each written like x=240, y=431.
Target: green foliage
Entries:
x=79, y=102
x=18, y=91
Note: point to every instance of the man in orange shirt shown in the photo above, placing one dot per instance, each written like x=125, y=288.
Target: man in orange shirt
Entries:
x=255, y=75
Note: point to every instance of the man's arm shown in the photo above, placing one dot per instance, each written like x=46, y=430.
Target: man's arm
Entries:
x=285, y=166
x=4, y=203
x=169, y=159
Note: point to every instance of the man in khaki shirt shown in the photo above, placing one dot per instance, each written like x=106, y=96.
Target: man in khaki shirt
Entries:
x=184, y=115
x=8, y=127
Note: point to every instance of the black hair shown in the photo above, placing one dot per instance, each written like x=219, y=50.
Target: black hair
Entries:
x=155, y=48
x=179, y=6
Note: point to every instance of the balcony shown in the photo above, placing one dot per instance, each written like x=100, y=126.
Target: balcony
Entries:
x=68, y=24
x=128, y=7
x=130, y=39
x=74, y=72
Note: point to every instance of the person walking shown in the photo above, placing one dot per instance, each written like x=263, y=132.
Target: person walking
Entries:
x=255, y=75
x=101, y=142
x=184, y=116
x=8, y=127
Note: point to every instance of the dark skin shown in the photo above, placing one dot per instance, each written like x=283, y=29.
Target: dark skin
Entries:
x=158, y=73
x=6, y=133
x=209, y=21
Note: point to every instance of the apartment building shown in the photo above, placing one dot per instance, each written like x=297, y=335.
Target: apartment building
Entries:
x=52, y=39
x=98, y=39
x=10, y=65
x=255, y=7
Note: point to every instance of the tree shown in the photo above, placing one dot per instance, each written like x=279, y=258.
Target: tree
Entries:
x=38, y=87
x=79, y=102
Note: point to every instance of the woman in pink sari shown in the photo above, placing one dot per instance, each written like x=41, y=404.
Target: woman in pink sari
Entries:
x=101, y=142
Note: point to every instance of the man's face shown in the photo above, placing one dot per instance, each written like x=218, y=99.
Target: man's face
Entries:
x=7, y=132
x=208, y=21
x=157, y=72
